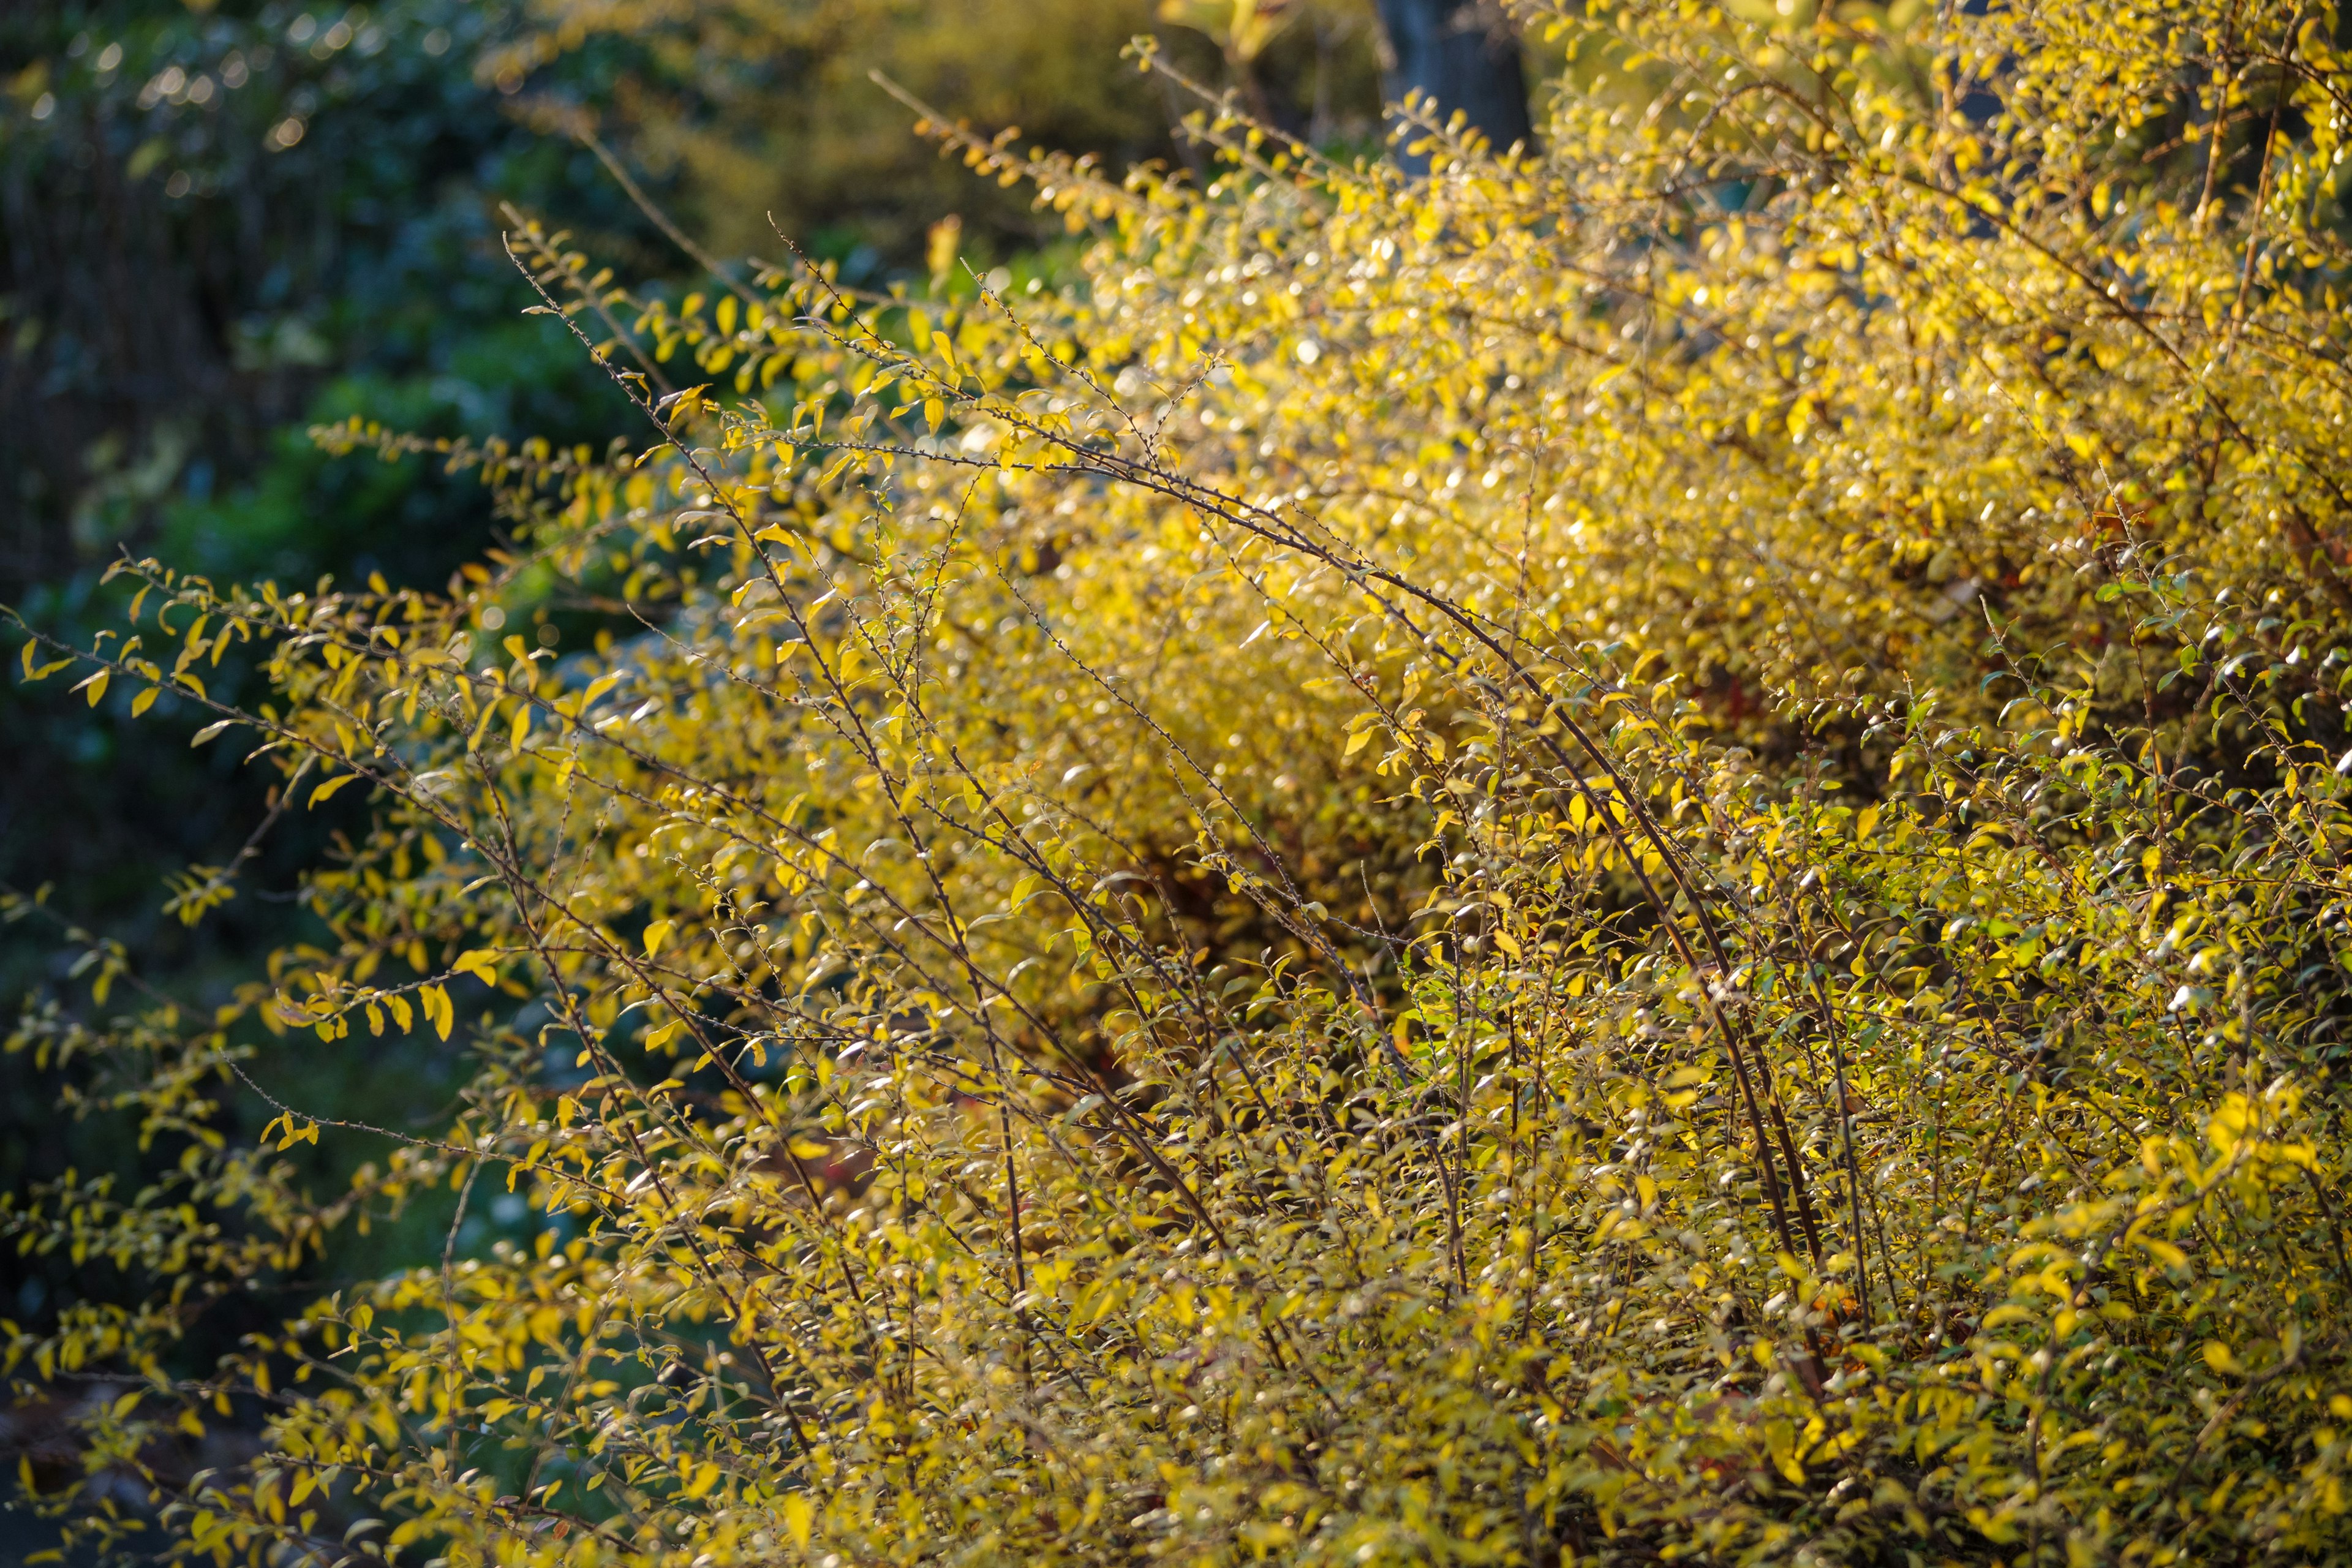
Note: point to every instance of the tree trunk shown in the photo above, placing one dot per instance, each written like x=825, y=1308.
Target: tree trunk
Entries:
x=1463, y=54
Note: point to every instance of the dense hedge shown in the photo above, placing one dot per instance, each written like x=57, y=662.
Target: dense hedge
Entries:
x=1632, y=853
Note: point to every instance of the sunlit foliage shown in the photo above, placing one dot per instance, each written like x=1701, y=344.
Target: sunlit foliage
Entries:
x=1631, y=853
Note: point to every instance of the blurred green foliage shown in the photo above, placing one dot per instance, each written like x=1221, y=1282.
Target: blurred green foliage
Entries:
x=222, y=226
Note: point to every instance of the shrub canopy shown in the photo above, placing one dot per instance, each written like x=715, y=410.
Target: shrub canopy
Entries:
x=1633, y=852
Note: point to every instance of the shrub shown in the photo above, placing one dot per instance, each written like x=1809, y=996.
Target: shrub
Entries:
x=1632, y=853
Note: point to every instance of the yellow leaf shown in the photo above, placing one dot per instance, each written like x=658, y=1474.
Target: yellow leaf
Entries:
x=1357, y=742
x=330, y=786
x=800, y=1517
x=437, y=1011
x=656, y=935
x=144, y=701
